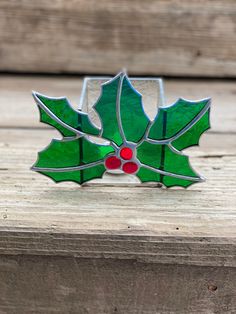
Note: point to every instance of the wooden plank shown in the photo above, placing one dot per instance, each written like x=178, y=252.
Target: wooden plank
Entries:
x=115, y=249
x=59, y=285
x=19, y=110
x=194, y=38
x=195, y=226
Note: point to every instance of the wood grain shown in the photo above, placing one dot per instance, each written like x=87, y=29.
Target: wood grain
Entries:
x=33, y=207
x=18, y=108
x=59, y=285
x=102, y=248
x=197, y=226
x=193, y=38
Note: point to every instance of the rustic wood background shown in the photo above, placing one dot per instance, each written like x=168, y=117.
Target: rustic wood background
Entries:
x=171, y=37
x=115, y=249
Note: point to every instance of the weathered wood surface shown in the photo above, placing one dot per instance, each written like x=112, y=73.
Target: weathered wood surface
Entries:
x=105, y=249
x=196, y=226
x=59, y=285
x=194, y=38
x=18, y=109
x=32, y=202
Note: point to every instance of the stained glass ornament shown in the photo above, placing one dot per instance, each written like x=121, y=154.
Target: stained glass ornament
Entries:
x=150, y=149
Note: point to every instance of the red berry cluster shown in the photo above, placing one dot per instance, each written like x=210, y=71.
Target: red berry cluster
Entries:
x=114, y=162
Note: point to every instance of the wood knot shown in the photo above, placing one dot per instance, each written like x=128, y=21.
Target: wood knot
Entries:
x=212, y=287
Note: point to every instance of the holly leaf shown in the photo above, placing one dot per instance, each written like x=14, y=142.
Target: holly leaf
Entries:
x=121, y=111
x=151, y=150
x=169, y=166
x=174, y=128
x=69, y=159
x=182, y=123
x=58, y=113
x=77, y=160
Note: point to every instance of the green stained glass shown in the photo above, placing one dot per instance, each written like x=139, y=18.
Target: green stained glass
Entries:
x=176, y=117
x=78, y=176
x=48, y=120
x=85, y=125
x=192, y=136
x=131, y=111
x=149, y=150
x=61, y=154
x=106, y=107
x=167, y=161
x=147, y=175
x=62, y=110
x=118, y=106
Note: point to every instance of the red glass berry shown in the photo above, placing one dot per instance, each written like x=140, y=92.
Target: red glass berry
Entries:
x=126, y=153
x=130, y=167
x=112, y=162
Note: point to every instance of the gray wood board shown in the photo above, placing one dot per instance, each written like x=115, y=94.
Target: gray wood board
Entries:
x=19, y=110
x=195, y=226
x=59, y=285
x=188, y=38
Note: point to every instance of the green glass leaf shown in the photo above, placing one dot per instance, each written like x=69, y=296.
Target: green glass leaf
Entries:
x=54, y=109
x=192, y=136
x=134, y=121
x=121, y=112
x=182, y=123
x=162, y=163
x=76, y=160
